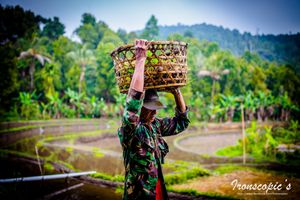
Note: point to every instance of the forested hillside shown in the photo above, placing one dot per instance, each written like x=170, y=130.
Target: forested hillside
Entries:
x=45, y=74
x=279, y=48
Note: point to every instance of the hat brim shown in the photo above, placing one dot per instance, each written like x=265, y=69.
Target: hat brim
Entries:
x=154, y=105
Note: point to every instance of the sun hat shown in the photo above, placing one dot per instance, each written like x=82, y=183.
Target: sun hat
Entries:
x=151, y=100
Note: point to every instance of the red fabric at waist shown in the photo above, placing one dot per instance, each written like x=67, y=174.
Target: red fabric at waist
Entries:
x=159, y=194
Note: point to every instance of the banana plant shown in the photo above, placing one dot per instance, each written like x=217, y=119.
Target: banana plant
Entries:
x=103, y=108
x=270, y=106
x=261, y=101
x=214, y=112
x=229, y=104
x=250, y=106
x=45, y=107
x=92, y=107
x=197, y=105
x=286, y=107
x=55, y=103
x=29, y=106
x=75, y=101
x=120, y=103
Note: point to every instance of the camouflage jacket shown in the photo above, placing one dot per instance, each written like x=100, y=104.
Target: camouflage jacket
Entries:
x=144, y=147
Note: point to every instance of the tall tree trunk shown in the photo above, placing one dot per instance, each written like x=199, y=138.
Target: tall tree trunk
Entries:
x=230, y=114
x=212, y=117
x=31, y=73
x=260, y=114
x=270, y=112
x=287, y=115
x=81, y=78
x=282, y=116
x=213, y=91
x=248, y=114
x=251, y=116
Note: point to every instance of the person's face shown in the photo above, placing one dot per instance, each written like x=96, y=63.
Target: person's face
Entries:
x=148, y=115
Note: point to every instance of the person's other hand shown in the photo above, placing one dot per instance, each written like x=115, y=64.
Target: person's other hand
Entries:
x=174, y=90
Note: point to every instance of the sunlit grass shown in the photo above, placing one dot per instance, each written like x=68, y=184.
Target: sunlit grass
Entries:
x=230, y=151
x=115, y=178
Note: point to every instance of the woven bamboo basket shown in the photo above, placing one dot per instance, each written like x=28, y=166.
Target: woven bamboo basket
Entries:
x=165, y=66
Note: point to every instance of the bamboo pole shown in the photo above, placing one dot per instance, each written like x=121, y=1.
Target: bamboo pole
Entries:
x=244, y=136
x=45, y=177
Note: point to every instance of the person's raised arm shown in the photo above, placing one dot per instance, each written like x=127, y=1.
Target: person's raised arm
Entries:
x=174, y=125
x=137, y=81
x=179, y=100
x=134, y=100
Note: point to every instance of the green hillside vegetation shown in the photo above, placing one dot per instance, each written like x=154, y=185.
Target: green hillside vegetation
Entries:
x=283, y=48
x=47, y=75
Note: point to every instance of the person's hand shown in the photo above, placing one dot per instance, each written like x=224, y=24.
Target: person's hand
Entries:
x=178, y=98
x=141, y=47
x=174, y=90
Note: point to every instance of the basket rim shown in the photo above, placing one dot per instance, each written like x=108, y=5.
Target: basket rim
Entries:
x=121, y=48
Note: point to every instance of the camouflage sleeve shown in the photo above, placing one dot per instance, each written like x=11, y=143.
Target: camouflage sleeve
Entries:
x=174, y=125
x=131, y=114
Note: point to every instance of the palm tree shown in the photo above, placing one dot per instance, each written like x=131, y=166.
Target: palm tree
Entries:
x=33, y=55
x=214, y=70
x=82, y=57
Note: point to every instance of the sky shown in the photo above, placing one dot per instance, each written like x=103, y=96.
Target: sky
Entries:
x=254, y=16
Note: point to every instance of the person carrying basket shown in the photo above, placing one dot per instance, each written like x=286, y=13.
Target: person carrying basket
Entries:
x=141, y=134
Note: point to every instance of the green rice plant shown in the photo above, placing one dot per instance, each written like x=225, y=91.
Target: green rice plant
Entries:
x=97, y=153
x=230, y=151
x=119, y=189
x=260, y=143
x=116, y=178
x=69, y=149
x=176, y=178
x=49, y=167
x=230, y=168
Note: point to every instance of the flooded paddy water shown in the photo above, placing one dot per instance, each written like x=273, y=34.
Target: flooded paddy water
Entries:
x=47, y=189
x=93, y=145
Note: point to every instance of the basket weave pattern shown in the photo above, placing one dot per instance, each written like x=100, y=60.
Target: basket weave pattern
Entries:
x=165, y=66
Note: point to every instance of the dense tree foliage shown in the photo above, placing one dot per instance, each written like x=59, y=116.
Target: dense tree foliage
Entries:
x=53, y=28
x=151, y=30
x=282, y=48
x=17, y=23
x=46, y=75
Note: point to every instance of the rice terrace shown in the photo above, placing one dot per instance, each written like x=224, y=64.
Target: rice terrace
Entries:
x=92, y=145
